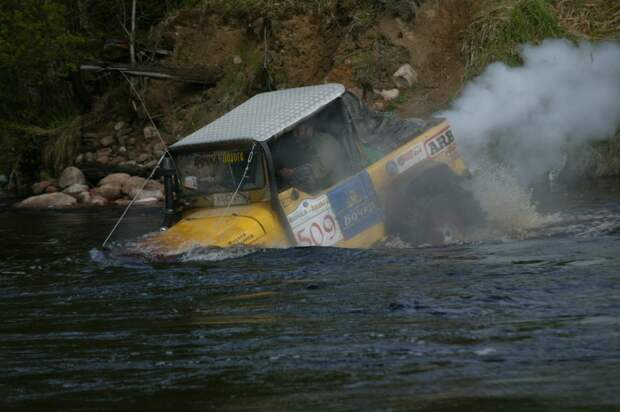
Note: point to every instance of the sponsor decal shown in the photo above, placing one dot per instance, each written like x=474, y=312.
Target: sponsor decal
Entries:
x=355, y=205
x=410, y=158
x=314, y=223
x=406, y=160
x=391, y=168
x=225, y=199
x=241, y=238
x=438, y=144
x=191, y=182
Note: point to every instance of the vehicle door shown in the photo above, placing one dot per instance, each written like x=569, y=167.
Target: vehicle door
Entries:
x=348, y=212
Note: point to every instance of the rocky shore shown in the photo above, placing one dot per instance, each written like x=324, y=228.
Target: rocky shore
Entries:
x=119, y=147
x=109, y=167
x=73, y=190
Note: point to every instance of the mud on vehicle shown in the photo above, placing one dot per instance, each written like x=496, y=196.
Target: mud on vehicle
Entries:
x=314, y=166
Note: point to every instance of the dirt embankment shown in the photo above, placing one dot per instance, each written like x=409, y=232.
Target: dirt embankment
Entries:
x=306, y=46
x=249, y=56
x=309, y=49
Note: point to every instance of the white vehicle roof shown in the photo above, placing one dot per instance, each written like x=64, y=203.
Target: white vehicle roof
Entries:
x=265, y=115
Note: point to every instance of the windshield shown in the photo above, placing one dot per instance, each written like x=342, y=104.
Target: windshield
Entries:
x=220, y=171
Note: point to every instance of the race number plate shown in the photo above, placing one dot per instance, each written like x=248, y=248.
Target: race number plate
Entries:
x=314, y=223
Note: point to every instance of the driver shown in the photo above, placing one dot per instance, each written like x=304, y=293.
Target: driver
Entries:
x=310, y=160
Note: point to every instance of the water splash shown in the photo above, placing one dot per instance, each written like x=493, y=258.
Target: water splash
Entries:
x=141, y=250
x=215, y=254
x=508, y=205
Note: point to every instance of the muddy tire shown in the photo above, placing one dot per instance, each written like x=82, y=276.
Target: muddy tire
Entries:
x=436, y=209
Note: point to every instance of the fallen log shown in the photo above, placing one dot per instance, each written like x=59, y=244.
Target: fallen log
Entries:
x=201, y=76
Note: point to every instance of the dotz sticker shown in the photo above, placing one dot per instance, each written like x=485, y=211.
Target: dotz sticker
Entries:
x=438, y=144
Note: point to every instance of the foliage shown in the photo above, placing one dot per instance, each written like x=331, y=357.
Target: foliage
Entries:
x=42, y=44
x=497, y=32
x=35, y=48
x=357, y=13
x=501, y=26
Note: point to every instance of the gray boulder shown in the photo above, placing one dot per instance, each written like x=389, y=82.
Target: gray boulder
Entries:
x=84, y=197
x=71, y=176
x=75, y=190
x=40, y=187
x=124, y=132
x=151, y=164
x=149, y=132
x=96, y=200
x=143, y=158
x=133, y=183
x=50, y=200
x=146, y=194
x=405, y=77
x=115, y=178
x=109, y=191
x=107, y=141
x=89, y=157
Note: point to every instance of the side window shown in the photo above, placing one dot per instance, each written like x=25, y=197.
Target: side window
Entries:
x=315, y=154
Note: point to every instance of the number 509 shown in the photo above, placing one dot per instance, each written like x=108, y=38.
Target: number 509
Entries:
x=318, y=234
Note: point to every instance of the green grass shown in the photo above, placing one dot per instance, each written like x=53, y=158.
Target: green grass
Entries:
x=62, y=148
x=498, y=31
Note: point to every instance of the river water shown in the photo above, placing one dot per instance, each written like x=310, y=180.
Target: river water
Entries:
x=513, y=322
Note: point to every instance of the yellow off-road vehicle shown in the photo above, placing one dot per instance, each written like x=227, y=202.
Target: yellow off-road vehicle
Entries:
x=234, y=181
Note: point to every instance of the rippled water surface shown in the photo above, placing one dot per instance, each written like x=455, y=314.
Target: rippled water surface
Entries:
x=503, y=324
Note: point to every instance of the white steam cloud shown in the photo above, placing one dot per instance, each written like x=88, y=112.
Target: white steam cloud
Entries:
x=524, y=116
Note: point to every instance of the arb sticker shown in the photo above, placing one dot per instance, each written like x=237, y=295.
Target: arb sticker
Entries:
x=438, y=144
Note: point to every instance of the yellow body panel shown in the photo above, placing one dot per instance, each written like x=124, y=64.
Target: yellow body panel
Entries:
x=254, y=224
x=311, y=218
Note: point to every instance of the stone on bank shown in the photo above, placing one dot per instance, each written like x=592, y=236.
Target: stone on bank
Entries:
x=75, y=190
x=116, y=188
x=70, y=176
x=48, y=200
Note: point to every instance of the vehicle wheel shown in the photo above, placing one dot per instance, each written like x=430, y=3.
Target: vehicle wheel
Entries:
x=435, y=209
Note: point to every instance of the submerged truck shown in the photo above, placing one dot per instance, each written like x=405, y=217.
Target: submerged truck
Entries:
x=314, y=166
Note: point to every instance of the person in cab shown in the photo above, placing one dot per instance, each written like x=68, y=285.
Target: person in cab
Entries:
x=308, y=159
